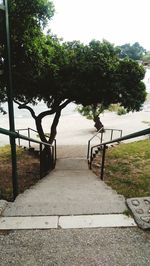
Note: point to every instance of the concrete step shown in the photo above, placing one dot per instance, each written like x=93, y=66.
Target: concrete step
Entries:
x=70, y=189
x=66, y=208
x=72, y=164
x=65, y=193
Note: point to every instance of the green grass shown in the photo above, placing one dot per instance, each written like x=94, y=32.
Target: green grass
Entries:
x=5, y=153
x=28, y=171
x=127, y=168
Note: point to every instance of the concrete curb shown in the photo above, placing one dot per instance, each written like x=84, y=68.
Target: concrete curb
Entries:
x=66, y=222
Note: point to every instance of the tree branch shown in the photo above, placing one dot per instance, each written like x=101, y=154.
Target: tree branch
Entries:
x=64, y=104
x=24, y=106
x=54, y=110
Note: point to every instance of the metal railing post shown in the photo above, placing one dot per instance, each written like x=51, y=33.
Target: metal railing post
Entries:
x=88, y=150
x=41, y=162
x=103, y=161
x=29, y=137
x=53, y=160
x=111, y=134
x=14, y=167
x=55, y=151
x=90, y=162
x=18, y=139
x=101, y=137
x=10, y=102
x=121, y=134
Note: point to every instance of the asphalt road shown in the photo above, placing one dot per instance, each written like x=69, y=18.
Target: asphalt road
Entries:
x=81, y=247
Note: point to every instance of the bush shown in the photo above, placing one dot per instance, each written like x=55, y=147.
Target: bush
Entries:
x=121, y=111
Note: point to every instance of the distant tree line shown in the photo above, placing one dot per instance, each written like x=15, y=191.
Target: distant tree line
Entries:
x=134, y=51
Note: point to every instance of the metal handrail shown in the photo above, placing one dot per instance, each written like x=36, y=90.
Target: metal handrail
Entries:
x=102, y=130
x=112, y=131
x=126, y=137
x=28, y=129
x=89, y=141
x=103, y=145
x=16, y=135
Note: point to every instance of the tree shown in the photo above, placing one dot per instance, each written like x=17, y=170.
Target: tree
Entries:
x=91, y=111
x=59, y=73
x=134, y=51
x=122, y=83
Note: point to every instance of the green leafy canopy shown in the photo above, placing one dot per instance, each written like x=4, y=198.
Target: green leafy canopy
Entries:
x=45, y=68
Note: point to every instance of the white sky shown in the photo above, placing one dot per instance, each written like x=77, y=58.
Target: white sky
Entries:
x=118, y=21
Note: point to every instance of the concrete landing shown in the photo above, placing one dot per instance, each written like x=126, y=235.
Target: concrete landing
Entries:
x=71, y=189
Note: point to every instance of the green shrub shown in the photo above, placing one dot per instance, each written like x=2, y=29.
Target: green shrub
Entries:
x=121, y=111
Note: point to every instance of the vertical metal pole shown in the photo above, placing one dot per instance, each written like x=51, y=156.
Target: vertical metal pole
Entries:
x=29, y=137
x=90, y=163
x=10, y=104
x=41, y=165
x=55, y=151
x=103, y=161
x=111, y=134
x=121, y=134
x=88, y=150
x=18, y=139
x=101, y=137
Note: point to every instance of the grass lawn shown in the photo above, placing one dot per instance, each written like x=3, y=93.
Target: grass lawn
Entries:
x=28, y=171
x=127, y=168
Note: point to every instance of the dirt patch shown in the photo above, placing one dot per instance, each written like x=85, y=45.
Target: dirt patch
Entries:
x=28, y=168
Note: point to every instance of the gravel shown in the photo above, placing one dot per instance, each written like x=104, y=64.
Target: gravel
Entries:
x=81, y=247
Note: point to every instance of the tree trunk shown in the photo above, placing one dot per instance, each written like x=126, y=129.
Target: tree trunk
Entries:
x=46, y=154
x=54, y=127
x=47, y=159
x=40, y=129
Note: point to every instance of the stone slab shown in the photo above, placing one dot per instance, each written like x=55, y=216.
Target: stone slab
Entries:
x=65, y=222
x=41, y=222
x=95, y=221
x=140, y=207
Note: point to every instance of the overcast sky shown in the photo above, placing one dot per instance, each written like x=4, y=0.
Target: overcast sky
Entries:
x=118, y=21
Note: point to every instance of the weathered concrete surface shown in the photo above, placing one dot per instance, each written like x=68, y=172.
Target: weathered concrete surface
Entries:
x=70, y=189
x=95, y=221
x=140, y=208
x=66, y=222
x=76, y=247
x=30, y=222
x=72, y=151
x=3, y=204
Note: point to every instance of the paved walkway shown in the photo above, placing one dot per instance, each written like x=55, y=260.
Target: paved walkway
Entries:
x=71, y=189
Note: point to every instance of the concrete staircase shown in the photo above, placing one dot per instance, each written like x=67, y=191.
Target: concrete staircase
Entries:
x=71, y=189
